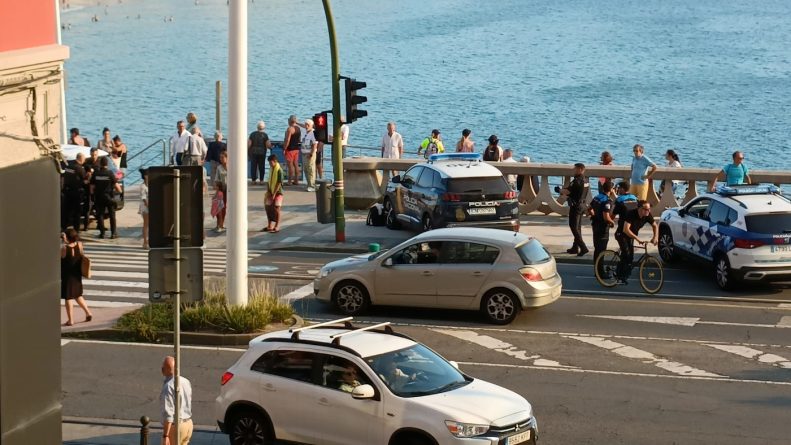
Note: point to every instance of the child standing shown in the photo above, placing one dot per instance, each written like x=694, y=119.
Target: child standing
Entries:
x=218, y=206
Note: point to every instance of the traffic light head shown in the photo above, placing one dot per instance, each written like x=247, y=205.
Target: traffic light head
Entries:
x=353, y=99
x=320, y=127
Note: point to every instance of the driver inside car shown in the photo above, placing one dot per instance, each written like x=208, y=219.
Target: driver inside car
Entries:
x=395, y=378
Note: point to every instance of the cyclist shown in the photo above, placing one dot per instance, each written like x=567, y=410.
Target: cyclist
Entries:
x=632, y=222
x=601, y=219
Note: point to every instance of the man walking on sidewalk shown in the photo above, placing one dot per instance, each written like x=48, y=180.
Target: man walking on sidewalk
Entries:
x=167, y=405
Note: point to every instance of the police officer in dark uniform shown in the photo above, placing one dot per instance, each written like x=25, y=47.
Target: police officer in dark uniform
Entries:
x=576, y=192
x=601, y=219
x=73, y=190
x=103, y=186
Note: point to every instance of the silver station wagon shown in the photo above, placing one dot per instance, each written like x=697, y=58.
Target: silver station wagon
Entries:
x=492, y=271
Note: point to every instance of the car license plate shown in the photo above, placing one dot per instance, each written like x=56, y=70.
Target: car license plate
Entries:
x=518, y=438
x=482, y=211
x=781, y=249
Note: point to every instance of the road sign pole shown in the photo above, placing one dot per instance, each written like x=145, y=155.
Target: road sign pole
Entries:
x=177, y=305
x=337, y=155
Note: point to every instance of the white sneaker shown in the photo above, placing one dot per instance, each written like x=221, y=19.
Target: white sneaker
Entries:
x=310, y=189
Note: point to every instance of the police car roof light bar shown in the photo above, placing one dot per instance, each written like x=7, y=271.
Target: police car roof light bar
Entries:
x=747, y=189
x=455, y=157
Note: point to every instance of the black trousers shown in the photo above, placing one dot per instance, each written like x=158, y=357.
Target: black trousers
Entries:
x=105, y=205
x=575, y=224
x=72, y=209
x=258, y=167
x=601, y=236
x=626, y=245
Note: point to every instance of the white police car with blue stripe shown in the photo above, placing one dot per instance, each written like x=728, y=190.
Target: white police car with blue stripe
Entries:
x=744, y=231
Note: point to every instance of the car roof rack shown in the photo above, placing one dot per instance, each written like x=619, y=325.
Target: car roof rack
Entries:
x=336, y=338
x=347, y=323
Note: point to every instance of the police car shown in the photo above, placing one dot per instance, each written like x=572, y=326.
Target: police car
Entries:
x=744, y=231
x=451, y=190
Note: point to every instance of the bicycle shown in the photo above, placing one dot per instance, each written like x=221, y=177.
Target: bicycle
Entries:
x=652, y=275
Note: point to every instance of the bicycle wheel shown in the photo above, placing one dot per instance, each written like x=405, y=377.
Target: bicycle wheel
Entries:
x=652, y=276
x=605, y=266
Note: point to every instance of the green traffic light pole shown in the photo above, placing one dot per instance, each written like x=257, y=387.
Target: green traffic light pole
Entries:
x=337, y=159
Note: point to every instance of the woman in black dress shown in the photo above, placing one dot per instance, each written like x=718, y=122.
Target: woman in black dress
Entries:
x=71, y=275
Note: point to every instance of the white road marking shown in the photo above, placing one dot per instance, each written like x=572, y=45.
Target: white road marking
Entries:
x=681, y=321
x=297, y=294
x=290, y=239
x=662, y=295
x=685, y=321
x=499, y=346
x=113, y=273
x=101, y=294
x=754, y=354
x=115, y=284
x=643, y=356
x=109, y=304
x=636, y=280
x=239, y=350
x=784, y=305
x=64, y=341
x=628, y=374
x=785, y=321
x=621, y=301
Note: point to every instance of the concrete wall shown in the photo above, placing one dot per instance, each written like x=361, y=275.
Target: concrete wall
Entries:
x=30, y=128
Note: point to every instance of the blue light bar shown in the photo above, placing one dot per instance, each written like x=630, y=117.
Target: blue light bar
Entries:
x=455, y=157
x=758, y=189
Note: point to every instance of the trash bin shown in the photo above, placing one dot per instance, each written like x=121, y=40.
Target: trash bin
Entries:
x=325, y=210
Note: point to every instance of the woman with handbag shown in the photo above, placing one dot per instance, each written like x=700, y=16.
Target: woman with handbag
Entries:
x=71, y=273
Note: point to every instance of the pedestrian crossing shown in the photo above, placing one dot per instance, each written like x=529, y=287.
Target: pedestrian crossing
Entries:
x=119, y=274
x=616, y=355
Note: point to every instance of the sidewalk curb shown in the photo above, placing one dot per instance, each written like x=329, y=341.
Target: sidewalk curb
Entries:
x=187, y=338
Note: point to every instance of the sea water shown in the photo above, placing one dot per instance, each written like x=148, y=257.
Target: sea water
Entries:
x=555, y=81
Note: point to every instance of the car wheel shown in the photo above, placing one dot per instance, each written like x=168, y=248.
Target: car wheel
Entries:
x=351, y=298
x=667, y=248
x=500, y=306
x=390, y=214
x=428, y=223
x=249, y=427
x=723, y=274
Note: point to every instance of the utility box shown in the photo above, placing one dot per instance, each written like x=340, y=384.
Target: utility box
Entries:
x=325, y=209
x=162, y=274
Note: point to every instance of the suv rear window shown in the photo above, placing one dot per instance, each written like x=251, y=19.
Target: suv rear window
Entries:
x=533, y=252
x=773, y=223
x=487, y=185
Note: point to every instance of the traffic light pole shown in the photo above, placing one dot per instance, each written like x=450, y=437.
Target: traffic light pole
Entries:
x=337, y=155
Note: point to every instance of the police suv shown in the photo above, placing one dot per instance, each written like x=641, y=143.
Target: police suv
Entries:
x=744, y=231
x=451, y=190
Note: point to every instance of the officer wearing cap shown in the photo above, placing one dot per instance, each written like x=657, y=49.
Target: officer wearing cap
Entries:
x=576, y=192
x=431, y=145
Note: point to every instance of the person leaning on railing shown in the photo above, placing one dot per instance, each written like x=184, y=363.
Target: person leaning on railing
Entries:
x=735, y=173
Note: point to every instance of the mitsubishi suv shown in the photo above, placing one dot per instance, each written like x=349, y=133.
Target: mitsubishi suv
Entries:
x=744, y=232
x=338, y=384
x=451, y=190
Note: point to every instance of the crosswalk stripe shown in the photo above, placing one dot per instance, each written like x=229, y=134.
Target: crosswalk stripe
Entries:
x=102, y=294
x=111, y=304
x=499, y=346
x=644, y=356
x=754, y=354
x=113, y=283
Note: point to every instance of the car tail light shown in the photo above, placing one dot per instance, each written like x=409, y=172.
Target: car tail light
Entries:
x=531, y=275
x=747, y=243
x=451, y=197
x=226, y=378
x=510, y=195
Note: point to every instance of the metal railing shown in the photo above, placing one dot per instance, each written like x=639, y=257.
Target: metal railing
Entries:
x=134, y=177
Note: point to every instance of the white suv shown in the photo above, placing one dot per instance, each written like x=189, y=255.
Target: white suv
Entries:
x=744, y=231
x=341, y=385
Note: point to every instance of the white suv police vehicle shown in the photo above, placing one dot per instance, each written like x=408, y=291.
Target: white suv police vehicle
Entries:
x=744, y=231
x=451, y=190
x=341, y=385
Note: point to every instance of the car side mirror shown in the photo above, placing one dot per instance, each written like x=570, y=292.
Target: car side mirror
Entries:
x=387, y=262
x=395, y=179
x=454, y=364
x=363, y=392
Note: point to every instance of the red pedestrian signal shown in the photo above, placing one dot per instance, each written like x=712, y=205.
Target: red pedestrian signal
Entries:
x=320, y=127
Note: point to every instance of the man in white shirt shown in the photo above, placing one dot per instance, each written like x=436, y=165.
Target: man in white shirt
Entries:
x=167, y=406
x=196, y=149
x=308, y=148
x=392, y=144
x=508, y=156
x=178, y=142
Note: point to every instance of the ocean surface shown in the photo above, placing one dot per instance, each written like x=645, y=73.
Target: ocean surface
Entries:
x=556, y=81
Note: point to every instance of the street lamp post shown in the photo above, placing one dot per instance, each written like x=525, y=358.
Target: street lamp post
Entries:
x=337, y=155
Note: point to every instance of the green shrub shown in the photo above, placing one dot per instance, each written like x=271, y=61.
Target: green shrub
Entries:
x=211, y=314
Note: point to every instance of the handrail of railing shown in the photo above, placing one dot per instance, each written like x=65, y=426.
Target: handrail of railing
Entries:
x=158, y=141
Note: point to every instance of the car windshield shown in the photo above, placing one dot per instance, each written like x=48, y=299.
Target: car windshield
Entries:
x=416, y=371
x=770, y=224
x=533, y=252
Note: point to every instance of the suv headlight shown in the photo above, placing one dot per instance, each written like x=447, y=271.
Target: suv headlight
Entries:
x=459, y=429
x=325, y=271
